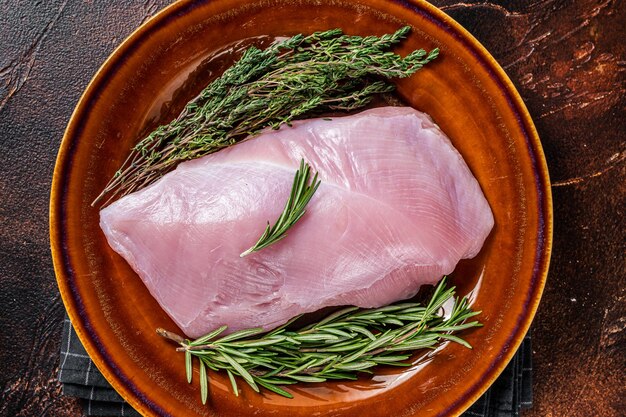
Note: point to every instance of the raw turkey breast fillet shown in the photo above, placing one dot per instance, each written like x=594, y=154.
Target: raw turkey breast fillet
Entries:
x=397, y=208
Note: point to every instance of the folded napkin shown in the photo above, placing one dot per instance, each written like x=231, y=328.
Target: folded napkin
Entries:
x=511, y=392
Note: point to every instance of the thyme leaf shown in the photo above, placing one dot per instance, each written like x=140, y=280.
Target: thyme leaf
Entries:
x=291, y=79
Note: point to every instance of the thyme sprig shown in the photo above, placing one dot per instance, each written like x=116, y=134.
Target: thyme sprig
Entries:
x=339, y=346
x=301, y=193
x=325, y=71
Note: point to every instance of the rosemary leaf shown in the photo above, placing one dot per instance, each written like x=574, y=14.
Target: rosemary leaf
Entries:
x=361, y=330
x=456, y=339
x=338, y=347
x=356, y=366
x=274, y=388
x=345, y=347
x=208, y=337
x=188, y=366
x=271, y=340
x=240, y=334
x=273, y=372
x=233, y=383
x=301, y=193
x=301, y=368
x=280, y=329
x=393, y=360
x=204, y=385
x=334, y=316
x=242, y=372
x=306, y=378
x=340, y=333
x=315, y=337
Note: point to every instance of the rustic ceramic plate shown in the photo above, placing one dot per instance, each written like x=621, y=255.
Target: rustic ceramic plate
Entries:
x=163, y=64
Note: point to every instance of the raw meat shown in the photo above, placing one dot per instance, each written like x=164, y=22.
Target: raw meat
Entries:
x=397, y=208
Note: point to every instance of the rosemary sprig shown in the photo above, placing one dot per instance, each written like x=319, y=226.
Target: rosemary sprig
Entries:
x=325, y=71
x=301, y=193
x=339, y=346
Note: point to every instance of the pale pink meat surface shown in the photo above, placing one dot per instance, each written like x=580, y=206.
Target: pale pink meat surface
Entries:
x=397, y=208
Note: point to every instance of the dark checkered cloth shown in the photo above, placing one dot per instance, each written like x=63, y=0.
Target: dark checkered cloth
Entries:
x=511, y=392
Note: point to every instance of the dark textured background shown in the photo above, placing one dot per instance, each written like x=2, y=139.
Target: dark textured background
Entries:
x=568, y=60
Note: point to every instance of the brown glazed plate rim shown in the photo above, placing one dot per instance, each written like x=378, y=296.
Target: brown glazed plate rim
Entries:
x=139, y=398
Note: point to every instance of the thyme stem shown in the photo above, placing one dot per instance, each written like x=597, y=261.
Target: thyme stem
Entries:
x=294, y=78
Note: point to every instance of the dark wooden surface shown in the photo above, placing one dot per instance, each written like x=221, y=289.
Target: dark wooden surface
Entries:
x=568, y=60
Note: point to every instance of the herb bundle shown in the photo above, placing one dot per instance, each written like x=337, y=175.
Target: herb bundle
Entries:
x=302, y=75
x=339, y=346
